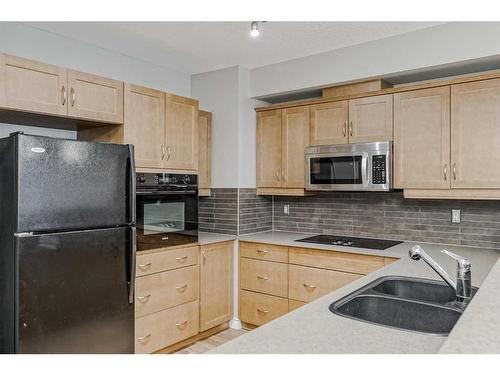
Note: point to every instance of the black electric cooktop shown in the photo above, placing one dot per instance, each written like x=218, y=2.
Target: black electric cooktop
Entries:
x=364, y=243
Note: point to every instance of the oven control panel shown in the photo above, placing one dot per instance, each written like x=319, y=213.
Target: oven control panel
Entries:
x=379, y=169
x=166, y=180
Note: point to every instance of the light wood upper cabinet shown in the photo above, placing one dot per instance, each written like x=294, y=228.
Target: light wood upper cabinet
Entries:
x=144, y=125
x=181, y=133
x=204, y=150
x=475, y=135
x=216, y=284
x=328, y=123
x=32, y=86
x=371, y=119
x=269, y=148
x=94, y=98
x=422, y=139
x=294, y=140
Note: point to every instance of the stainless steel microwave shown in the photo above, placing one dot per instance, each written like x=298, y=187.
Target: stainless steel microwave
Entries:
x=353, y=167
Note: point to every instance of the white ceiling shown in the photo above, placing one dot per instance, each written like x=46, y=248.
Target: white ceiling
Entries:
x=195, y=47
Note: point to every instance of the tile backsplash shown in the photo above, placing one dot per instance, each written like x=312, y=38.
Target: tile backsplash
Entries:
x=377, y=215
x=391, y=216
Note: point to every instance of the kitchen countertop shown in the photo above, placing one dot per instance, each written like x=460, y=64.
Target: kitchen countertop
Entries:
x=314, y=329
x=206, y=238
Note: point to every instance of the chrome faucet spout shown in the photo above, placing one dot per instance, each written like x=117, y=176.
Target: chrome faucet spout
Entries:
x=462, y=287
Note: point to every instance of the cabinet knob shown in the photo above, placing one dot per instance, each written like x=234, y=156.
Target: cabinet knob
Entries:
x=181, y=288
x=144, y=339
x=445, y=172
x=182, y=325
x=73, y=97
x=310, y=286
x=262, y=278
x=262, y=311
x=144, y=299
x=144, y=267
x=455, y=171
x=181, y=259
x=64, y=95
x=351, y=127
x=344, y=128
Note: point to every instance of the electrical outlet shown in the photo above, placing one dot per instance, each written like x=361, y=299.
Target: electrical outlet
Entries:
x=286, y=209
x=455, y=216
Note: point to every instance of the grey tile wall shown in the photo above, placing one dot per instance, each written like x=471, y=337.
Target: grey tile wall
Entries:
x=390, y=216
x=219, y=212
x=256, y=212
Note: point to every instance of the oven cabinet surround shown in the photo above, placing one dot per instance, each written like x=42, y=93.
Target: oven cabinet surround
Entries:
x=204, y=153
x=274, y=280
x=359, y=120
x=35, y=87
x=181, y=294
x=445, y=139
x=282, y=136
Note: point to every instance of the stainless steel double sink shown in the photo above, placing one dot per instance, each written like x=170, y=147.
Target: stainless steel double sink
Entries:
x=407, y=303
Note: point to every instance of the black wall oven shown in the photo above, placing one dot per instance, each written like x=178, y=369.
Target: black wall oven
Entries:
x=167, y=210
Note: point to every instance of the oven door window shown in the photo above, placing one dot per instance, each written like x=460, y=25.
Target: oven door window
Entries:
x=336, y=170
x=166, y=221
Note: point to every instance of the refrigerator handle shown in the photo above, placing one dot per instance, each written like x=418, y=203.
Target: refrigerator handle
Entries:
x=133, y=251
x=132, y=179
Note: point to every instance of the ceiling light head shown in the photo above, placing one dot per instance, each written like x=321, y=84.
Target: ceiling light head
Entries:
x=254, y=29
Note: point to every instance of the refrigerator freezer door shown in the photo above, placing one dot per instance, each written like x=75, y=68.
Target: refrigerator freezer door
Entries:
x=73, y=292
x=69, y=185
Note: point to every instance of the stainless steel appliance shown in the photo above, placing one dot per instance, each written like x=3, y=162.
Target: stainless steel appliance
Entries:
x=361, y=242
x=67, y=246
x=353, y=167
x=167, y=210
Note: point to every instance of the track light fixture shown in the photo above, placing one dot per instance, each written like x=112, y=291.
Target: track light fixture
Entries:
x=255, y=28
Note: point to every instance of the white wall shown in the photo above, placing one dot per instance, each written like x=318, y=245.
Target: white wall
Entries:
x=217, y=92
x=438, y=45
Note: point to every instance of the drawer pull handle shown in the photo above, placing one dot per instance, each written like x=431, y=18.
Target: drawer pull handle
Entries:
x=181, y=259
x=262, y=251
x=262, y=278
x=181, y=288
x=181, y=325
x=144, y=299
x=144, y=267
x=309, y=286
x=262, y=311
x=65, y=95
x=144, y=339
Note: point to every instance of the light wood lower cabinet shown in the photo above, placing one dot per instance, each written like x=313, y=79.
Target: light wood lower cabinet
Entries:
x=163, y=290
x=276, y=279
x=175, y=297
x=258, y=309
x=307, y=284
x=156, y=331
x=216, y=284
x=264, y=277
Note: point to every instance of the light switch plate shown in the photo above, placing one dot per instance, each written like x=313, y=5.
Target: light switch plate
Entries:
x=455, y=216
x=286, y=209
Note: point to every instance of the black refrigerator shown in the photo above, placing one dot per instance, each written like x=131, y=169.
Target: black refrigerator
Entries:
x=67, y=246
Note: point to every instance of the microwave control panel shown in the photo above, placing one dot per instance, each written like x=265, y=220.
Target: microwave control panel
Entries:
x=379, y=169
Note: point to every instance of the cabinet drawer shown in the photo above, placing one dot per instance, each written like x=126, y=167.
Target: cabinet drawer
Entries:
x=166, y=260
x=308, y=284
x=293, y=304
x=165, y=289
x=157, y=331
x=272, y=253
x=334, y=260
x=258, y=309
x=264, y=277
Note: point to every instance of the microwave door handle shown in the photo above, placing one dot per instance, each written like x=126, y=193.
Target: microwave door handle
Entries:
x=364, y=169
x=131, y=182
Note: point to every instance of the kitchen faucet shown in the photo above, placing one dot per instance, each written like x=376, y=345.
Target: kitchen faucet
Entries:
x=462, y=286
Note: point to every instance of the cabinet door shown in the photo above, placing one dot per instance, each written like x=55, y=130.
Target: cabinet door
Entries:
x=475, y=134
x=216, y=284
x=328, y=123
x=422, y=139
x=181, y=133
x=294, y=140
x=204, y=149
x=144, y=125
x=95, y=98
x=370, y=119
x=31, y=86
x=269, y=148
